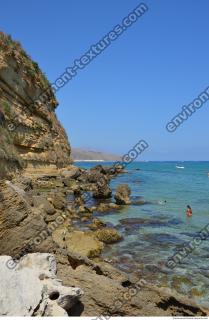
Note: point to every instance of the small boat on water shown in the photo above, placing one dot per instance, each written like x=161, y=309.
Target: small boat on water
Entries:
x=179, y=167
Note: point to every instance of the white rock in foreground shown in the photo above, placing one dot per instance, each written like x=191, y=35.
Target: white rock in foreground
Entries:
x=31, y=288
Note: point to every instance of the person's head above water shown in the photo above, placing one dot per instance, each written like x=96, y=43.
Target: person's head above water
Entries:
x=189, y=207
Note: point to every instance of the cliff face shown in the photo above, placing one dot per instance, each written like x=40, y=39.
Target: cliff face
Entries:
x=30, y=133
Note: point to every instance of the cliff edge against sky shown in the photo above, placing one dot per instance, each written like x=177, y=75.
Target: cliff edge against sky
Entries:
x=30, y=133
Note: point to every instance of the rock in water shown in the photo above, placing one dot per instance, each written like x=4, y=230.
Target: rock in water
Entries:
x=108, y=235
x=102, y=191
x=30, y=288
x=122, y=194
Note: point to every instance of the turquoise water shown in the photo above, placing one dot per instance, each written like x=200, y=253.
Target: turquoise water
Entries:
x=162, y=227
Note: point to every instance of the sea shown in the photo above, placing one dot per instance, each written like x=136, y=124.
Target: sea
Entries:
x=157, y=229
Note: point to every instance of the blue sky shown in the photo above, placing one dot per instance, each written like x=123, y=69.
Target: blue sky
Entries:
x=136, y=85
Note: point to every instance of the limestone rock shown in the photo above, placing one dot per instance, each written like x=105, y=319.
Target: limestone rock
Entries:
x=43, y=203
x=71, y=172
x=108, y=235
x=32, y=289
x=122, y=194
x=105, y=207
x=107, y=292
x=31, y=134
x=24, y=183
x=23, y=228
x=102, y=191
x=83, y=243
x=97, y=224
x=58, y=201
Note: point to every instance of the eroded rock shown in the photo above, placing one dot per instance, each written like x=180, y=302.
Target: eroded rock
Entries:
x=96, y=224
x=31, y=288
x=122, y=195
x=84, y=243
x=43, y=203
x=108, y=235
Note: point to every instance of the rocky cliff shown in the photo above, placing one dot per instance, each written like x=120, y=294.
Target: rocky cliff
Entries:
x=40, y=214
x=30, y=133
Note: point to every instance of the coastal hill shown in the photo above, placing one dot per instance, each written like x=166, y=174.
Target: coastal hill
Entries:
x=85, y=155
x=30, y=133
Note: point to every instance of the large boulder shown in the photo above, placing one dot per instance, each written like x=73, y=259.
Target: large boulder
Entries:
x=83, y=243
x=108, y=235
x=95, y=176
x=71, y=172
x=122, y=195
x=25, y=183
x=42, y=203
x=58, y=201
x=102, y=191
x=19, y=221
x=99, y=168
x=30, y=288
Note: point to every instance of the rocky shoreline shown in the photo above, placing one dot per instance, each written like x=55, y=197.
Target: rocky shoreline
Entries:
x=37, y=217
x=48, y=264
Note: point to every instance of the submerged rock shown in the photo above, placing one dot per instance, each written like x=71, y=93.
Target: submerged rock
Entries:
x=138, y=202
x=105, y=207
x=32, y=289
x=137, y=222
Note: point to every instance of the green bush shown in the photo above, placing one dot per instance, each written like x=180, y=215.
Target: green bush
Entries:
x=7, y=108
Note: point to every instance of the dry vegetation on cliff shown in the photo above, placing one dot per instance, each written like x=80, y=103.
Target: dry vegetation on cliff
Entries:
x=31, y=72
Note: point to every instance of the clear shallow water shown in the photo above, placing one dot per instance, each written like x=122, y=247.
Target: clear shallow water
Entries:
x=163, y=228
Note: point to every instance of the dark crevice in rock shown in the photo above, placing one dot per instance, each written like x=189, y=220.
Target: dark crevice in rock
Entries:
x=75, y=263
x=76, y=310
x=180, y=307
x=126, y=284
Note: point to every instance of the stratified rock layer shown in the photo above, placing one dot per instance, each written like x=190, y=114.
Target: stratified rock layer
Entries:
x=30, y=133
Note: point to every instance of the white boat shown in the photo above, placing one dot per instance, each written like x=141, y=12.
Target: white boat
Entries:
x=179, y=167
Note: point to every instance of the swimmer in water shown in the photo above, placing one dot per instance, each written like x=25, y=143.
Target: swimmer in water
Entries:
x=189, y=211
x=162, y=202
